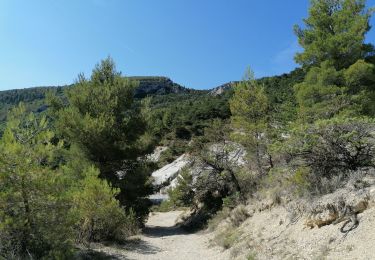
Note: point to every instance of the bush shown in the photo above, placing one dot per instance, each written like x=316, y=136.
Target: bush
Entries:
x=165, y=206
x=166, y=157
x=227, y=238
x=99, y=215
x=182, y=195
x=277, y=184
x=33, y=193
x=231, y=201
x=332, y=146
x=239, y=215
x=323, y=154
x=175, y=149
x=219, y=217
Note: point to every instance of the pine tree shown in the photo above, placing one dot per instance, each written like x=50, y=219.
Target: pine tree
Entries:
x=33, y=195
x=250, y=117
x=334, y=31
x=104, y=121
x=338, y=81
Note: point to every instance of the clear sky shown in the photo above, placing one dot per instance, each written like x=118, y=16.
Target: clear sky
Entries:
x=197, y=43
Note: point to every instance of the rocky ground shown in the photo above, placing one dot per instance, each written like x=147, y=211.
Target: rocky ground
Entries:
x=277, y=232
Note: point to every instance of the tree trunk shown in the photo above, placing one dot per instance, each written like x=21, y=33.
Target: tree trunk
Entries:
x=270, y=160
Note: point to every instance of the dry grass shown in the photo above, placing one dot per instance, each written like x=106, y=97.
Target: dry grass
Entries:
x=228, y=237
x=239, y=215
x=220, y=216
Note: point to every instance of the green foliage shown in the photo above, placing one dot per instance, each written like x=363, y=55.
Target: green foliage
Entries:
x=99, y=215
x=99, y=116
x=281, y=96
x=249, y=106
x=166, y=157
x=301, y=179
x=250, y=110
x=31, y=97
x=330, y=148
x=231, y=201
x=50, y=196
x=334, y=31
x=182, y=195
x=182, y=116
x=326, y=92
x=339, y=81
x=175, y=149
x=220, y=157
x=322, y=94
x=164, y=206
x=251, y=256
x=33, y=195
x=360, y=80
x=109, y=127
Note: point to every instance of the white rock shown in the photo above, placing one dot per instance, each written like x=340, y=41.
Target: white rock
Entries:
x=169, y=171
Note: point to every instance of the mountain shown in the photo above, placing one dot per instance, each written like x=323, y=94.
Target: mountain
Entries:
x=147, y=86
x=157, y=86
x=33, y=97
x=198, y=104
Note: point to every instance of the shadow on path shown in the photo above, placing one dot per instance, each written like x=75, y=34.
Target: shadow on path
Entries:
x=158, y=231
x=95, y=255
x=141, y=247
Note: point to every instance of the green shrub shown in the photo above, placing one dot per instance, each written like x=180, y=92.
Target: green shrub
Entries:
x=99, y=215
x=231, y=201
x=33, y=193
x=166, y=157
x=323, y=154
x=301, y=180
x=182, y=195
x=165, y=206
x=333, y=146
x=251, y=256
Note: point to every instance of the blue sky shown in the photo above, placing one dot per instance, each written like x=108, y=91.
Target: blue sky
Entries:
x=197, y=43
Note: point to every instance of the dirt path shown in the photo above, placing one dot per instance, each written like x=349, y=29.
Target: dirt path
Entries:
x=162, y=240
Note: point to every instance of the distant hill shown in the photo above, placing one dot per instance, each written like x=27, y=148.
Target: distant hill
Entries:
x=166, y=93
x=33, y=97
x=147, y=86
x=158, y=86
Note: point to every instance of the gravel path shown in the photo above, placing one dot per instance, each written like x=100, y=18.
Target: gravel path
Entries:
x=161, y=239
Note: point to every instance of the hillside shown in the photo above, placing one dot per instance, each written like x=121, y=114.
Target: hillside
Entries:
x=279, y=86
x=33, y=97
x=147, y=86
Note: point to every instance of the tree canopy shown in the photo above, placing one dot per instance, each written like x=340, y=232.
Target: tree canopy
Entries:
x=334, y=31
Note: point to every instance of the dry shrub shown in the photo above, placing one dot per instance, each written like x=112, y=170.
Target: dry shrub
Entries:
x=239, y=215
x=228, y=237
x=220, y=216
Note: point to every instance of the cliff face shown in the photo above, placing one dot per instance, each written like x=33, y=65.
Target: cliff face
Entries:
x=222, y=88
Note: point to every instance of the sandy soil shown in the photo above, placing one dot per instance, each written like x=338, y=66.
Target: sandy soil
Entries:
x=269, y=235
x=161, y=239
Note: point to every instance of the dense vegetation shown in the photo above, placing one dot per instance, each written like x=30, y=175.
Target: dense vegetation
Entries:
x=304, y=133
x=73, y=160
